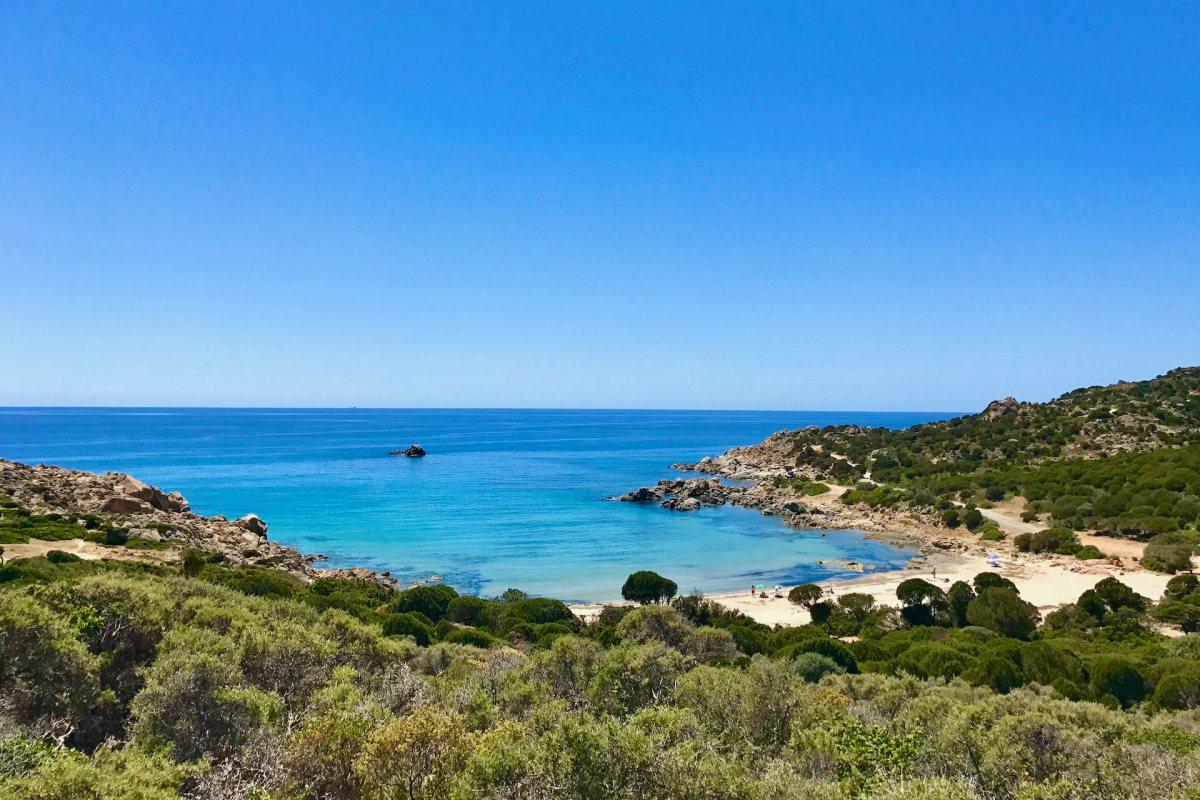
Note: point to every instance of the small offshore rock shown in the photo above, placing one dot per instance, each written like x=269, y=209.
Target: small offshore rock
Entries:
x=412, y=451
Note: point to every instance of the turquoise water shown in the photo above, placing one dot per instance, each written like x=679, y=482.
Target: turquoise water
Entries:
x=504, y=498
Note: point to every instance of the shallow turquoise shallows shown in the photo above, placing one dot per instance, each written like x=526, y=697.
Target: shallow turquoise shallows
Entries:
x=504, y=498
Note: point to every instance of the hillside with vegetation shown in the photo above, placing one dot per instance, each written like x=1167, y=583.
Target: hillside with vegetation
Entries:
x=1120, y=460
x=143, y=681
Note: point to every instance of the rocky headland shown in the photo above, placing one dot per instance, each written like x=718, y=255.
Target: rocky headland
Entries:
x=795, y=509
x=137, y=511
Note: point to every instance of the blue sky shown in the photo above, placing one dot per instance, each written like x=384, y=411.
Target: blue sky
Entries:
x=792, y=205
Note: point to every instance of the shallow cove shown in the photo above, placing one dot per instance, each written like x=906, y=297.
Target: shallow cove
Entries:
x=504, y=498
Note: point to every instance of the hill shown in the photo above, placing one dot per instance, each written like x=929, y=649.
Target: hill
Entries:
x=1085, y=423
x=1119, y=460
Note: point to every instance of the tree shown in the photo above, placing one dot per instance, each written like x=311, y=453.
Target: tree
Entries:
x=805, y=595
x=959, y=596
x=432, y=601
x=923, y=602
x=994, y=580
x=1169, y=552
x=1177, y=612
x=647, y=587
x=466, y=610
x=1116, y=595
x=1116, y=677
x=1179, y=690
x=1181, y=586
x=972, y=518
x=1003, y=611
x=821, y=612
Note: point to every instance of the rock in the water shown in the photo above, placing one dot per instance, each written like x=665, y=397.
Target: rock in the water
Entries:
x=412, y=451
x=642, y=495
x=682, y=504
x=252, y=523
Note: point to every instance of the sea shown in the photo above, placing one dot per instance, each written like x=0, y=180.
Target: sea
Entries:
x=503, y=499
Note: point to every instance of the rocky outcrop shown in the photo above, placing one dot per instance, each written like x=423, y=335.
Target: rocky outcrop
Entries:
x=1001, y=408
x=683, y=494
x=252, y=523
x=770, y=458
x=146, y=512
x=412, y=451
x=124, y=504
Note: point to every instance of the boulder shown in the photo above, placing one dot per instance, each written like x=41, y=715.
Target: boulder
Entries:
x=124, y=504
x=177, y=503
x=683, y=504
x=412, y=451
x=252, y=523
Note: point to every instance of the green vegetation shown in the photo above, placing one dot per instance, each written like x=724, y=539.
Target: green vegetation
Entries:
x=648, y=587
x=801, y=485
x=1122, y=460
x=127, y=680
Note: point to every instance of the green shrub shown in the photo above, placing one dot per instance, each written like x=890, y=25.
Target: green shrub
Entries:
x=432, y=601
x=470, y=636
x=408, y=624
x=1169, y=552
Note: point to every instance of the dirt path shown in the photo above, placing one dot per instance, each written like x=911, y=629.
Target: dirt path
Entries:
x=88, y=551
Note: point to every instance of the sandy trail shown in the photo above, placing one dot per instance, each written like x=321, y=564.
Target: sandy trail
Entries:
x=88, y=551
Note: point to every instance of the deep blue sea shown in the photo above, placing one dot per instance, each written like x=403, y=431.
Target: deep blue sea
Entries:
x=505, y=498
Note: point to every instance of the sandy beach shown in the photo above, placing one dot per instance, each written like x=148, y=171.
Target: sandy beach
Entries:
x=1047, y=581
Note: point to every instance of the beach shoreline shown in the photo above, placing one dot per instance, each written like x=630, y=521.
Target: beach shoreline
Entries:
x=944, y=555
x=1047, y=582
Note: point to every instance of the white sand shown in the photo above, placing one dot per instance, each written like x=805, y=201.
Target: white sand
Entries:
x=1046, y=582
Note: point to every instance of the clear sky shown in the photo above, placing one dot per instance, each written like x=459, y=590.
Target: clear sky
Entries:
x=688, y=205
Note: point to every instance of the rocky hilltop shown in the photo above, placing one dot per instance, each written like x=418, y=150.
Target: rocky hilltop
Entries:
x=1090, y=423
x=52, y=501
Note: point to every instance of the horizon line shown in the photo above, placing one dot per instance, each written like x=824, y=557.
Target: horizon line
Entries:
x=468, y=408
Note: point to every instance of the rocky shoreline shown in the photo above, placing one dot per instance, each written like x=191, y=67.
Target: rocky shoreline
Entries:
x=144, y=512
x=759, y=465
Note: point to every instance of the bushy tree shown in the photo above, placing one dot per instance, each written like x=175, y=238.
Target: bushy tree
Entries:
x=647, y=587
x=1003, y=611
x=805, y=595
